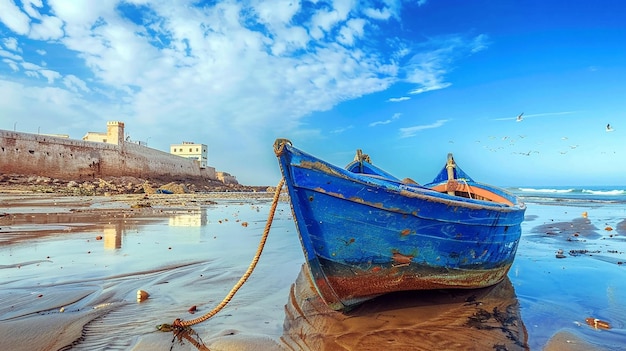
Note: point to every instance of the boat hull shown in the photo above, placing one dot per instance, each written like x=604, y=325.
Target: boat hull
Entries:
x=363, y=236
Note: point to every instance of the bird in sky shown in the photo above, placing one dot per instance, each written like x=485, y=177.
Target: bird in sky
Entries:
x=519, y=118
x=609, y=128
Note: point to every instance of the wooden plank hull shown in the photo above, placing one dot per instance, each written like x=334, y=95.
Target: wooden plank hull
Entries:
x=364, y=236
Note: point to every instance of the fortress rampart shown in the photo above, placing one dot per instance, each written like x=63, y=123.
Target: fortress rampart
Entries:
x=70, y=159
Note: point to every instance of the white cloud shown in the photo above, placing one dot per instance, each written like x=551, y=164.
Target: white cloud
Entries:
x=276, y=13
x=29, y=8
x=341, y=130
x=378, y=14
x=403, y=98
x=324, y=20
x=74, y=83
x=50, y=28
x=11, y=44
x=351, y=31
x=393, y=118
x=479, y=43
x=12, y=64
x=50, y=75
x=429, y=85
x=61, y=110
x=428, y=68
x=32, y=74
x=411, y=131
x=14, y=18
x=30, y=66
x=10, y=55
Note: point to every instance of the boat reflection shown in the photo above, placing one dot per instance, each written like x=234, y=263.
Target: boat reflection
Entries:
x=479, y=319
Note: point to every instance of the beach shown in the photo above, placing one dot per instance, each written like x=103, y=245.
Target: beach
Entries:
x=71, y=267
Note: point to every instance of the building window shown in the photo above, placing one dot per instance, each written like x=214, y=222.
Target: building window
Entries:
x=189, y=149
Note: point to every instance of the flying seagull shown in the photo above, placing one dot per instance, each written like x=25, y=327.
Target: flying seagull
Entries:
x=609, y=128
x=519, y=118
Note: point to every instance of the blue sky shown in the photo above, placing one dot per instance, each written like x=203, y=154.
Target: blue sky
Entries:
x=407, y=82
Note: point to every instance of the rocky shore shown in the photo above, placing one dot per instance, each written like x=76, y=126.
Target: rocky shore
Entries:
x=120, y=185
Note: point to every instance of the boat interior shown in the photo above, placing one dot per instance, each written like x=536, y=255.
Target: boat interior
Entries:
x=453, y=186
x=464, y=189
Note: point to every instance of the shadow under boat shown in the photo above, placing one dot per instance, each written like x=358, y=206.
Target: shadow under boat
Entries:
x=477, y=319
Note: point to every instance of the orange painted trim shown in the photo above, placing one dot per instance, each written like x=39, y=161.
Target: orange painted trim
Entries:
x=474, y=190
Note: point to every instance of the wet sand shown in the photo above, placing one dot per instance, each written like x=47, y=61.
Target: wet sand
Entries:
x=71, y=266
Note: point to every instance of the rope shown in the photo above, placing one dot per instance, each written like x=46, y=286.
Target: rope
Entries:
x=182, y=324
x=469, y=190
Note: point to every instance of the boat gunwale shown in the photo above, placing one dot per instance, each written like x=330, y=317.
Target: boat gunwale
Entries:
x=419, y=192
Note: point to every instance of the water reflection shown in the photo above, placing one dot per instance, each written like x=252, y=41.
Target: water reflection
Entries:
x=482, y=319
x=191, y=219
x=112, y=234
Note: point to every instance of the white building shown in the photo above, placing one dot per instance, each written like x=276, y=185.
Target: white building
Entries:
x=192, y=150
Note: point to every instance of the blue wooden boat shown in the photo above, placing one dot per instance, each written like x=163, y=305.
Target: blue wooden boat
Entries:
x=365, y=233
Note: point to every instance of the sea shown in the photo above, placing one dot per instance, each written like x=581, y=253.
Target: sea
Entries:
x=574, y=195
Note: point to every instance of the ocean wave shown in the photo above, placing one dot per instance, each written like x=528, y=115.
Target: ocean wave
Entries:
x=574, y=201
x=533, y=190
x=605, y=192
x=572, y=194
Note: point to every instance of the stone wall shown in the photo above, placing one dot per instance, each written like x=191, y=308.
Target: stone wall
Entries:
x=70, y=159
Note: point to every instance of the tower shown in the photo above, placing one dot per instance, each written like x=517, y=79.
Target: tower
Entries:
x=115, y=132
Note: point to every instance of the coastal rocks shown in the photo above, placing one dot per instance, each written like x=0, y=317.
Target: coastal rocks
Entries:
x=148, y=189
x=118, y=185
x=175, y=188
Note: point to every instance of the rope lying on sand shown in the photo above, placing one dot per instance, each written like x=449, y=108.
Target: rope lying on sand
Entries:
x=182, y=324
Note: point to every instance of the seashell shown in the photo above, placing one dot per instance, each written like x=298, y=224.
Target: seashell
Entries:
x=597, y=324
x=142, y=295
